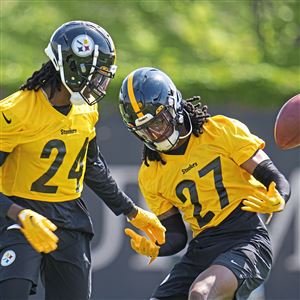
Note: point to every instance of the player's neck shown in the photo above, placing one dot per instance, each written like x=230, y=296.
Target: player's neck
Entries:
x=181, y=142
x=60, y=98
x=185, y=132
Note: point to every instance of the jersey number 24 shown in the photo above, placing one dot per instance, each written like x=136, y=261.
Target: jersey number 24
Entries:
x=75, y=172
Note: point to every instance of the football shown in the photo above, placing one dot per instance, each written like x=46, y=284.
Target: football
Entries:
x=287, y=124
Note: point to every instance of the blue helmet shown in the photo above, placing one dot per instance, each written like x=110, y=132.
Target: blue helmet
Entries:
x=84, y=54
x=151, y=108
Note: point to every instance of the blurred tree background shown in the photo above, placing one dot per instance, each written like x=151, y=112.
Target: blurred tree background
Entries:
x=238, y=52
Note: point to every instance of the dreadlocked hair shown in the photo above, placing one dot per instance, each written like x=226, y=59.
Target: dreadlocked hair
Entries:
x=46, y=76
x=198, y=115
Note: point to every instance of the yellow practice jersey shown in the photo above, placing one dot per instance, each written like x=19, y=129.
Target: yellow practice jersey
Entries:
x=47, y=150
x=206, y=183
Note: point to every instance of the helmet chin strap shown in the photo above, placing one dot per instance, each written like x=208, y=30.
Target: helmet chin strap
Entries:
x=76, y=98
x=191, y=127
x=168, y=143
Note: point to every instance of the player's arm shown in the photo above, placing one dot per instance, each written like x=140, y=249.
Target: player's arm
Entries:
x=7, y=207
x=176, y=237
x=36, y=228
x=263, y=169
x=99, y=179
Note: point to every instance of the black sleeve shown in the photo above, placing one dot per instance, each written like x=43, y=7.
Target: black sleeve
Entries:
x=98, y=178
x=5, y=202
x=266, y=172
x=3, y=156
x=176, y=235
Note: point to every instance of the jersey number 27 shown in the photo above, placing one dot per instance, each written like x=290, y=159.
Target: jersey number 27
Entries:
x=214, y=166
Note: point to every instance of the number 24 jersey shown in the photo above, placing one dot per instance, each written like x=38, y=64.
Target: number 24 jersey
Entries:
x=206, y=183
x=47, y=150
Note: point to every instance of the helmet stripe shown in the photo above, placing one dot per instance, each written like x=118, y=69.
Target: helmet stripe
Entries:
x=132, y=98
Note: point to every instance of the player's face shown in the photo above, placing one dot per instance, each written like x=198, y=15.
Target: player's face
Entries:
x=96, y=87
x=157, y=129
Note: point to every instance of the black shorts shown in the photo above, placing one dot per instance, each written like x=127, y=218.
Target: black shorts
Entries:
x=65, y=273
x=249, y=261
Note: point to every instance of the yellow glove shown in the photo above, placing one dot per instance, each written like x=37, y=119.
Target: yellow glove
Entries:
x=38, y=231
x=265, y=203
x=149, y=223
x=142, y=246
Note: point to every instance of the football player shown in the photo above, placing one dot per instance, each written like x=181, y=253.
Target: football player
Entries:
x=48, y=149
x=210, y=172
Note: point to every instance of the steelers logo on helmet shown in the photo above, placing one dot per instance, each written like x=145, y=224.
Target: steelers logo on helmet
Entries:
x=83, y=45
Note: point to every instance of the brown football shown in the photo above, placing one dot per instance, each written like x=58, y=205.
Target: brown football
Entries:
x=287, y=125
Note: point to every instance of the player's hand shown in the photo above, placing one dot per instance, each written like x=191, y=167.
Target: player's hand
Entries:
x=149, y=223
x=38, y=231
x=142, y=246
x=265, y=203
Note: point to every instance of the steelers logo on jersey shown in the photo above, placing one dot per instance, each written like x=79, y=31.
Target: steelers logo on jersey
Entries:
x=8, y=258
x=83, y=45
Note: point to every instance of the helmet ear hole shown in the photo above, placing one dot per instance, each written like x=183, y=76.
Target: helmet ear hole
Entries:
x=73, y=67
x=180, y=119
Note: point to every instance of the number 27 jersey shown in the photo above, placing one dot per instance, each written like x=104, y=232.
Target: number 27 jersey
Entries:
x=47, y=150
x=206, y=183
